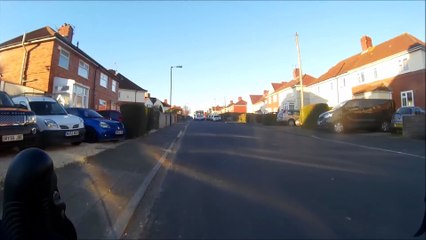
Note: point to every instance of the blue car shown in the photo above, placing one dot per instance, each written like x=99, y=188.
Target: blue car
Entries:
x=98, y=129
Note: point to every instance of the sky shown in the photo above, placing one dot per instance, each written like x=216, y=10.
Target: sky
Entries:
x=227, y=48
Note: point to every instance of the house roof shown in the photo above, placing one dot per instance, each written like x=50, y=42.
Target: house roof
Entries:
x=307, y=80
x=276, y=86
x=255, y=98
x=241, y=102
x=386, y=84
x=388, y=48
x=125, y=83
x=48, y=32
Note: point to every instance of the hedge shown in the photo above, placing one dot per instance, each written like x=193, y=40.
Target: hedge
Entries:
x=269, y=119
x=134, y=119
x=310, y=114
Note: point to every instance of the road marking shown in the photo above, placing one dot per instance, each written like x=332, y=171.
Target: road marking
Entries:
x=370, y=148
x=123, y=219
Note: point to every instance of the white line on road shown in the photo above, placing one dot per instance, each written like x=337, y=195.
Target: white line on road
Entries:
x=370, y=148
x=124, y=218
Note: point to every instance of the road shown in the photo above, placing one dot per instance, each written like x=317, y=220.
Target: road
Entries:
x=242, y=181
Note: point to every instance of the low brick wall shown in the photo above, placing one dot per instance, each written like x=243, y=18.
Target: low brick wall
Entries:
x=414, y=126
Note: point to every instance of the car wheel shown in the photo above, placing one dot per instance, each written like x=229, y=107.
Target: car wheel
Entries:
x=291, y=123
x=385, y=127
x=338, y=127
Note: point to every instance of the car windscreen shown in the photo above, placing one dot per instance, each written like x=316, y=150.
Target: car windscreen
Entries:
x=5, y=101
x=47, y=108
x=89, y=113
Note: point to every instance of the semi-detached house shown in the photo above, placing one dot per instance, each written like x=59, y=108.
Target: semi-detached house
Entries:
x=47, y=61
x=394, y=69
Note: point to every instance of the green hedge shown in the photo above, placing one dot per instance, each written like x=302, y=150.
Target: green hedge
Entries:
x=134, y=119
x=153, y=118
x=310, y=114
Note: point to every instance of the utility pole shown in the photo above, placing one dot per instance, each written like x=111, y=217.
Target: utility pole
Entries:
x=300, y=77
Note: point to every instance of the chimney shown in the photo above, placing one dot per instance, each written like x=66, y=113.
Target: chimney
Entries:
x=296, y=73
x=165, y=101
x=240, y=99
x=231, y=102
x=265, y=92
x=366, y=42
x=66, y=31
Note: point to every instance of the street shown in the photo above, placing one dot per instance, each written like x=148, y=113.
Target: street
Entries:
x=247, y=181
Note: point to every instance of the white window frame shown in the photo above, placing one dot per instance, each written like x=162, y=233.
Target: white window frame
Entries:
x=403, y=64
x=361, y=77
x=375, y=73
x=83, y=69
x=114, y=86
x=63, y=56
x=103, y=80
x=405, y=100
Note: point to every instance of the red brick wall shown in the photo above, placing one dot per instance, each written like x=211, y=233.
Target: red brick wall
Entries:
x=43, y=65
x=415, y=82
x=38, y=65
x=240, y=108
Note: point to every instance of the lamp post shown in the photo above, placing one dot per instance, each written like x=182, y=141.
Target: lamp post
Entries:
x=171, y=84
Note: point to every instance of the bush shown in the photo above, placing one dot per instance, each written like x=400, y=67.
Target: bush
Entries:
x=153, y=118
x=134, y=119
x=242, y=118
x=310, y=114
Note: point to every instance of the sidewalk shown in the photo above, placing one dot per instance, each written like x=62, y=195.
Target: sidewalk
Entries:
x=100, y=192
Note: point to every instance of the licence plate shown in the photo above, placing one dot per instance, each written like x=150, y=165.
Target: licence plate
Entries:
x=119, y=132
x=72, y=133
x=12, y=138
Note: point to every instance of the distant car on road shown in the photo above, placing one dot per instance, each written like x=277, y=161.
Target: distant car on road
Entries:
x=216, y=118
x=359, y=114
x=98, y=128
x=398, y=116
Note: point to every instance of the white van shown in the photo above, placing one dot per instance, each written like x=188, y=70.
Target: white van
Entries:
x=54, y=123
x=289, y=117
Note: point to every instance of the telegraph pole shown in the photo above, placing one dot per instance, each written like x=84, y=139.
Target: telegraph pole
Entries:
x=300, y=77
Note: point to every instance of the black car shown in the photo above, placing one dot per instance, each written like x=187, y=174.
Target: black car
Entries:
x=358, y=114
x=18, y=126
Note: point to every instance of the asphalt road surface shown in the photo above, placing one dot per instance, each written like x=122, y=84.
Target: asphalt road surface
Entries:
x=240, y=181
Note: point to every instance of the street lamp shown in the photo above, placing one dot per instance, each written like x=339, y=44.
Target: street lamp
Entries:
x=171, y=83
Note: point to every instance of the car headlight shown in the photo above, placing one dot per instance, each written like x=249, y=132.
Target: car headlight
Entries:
x=328, y=115
x=81, y=124
x=104, y=125
x=32, y=119
x=50, y=123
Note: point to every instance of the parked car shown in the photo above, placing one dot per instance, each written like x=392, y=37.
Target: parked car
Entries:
x=289, y=117
x=111, y=115
x=398, y=116
x=359, y=114
x=98, y=128
x=216, y=118
x=18, y=126
x=55, y=125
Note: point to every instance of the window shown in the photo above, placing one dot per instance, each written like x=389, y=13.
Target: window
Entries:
x=64, y=58
x=343, y=82
x=361, y=77
x=331, y=85
x=114, y=86
x=102, y=104
x=80, y=96
x=104, y=80
x=83, y=69
x=403, y=64
x=407, y=98
x=375, y=73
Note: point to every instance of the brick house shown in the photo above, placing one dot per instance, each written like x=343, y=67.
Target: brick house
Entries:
x=128, y=91
x=394, y=69
x=46, y=60
x=238, y=107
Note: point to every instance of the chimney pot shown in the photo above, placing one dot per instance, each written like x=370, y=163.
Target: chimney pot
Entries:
x=296, y=73
x=366, y=42
x=240, y=98
x=265, y=92
x=66, y=31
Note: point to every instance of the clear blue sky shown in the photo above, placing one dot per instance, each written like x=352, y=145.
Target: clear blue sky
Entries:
x=227, y=48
